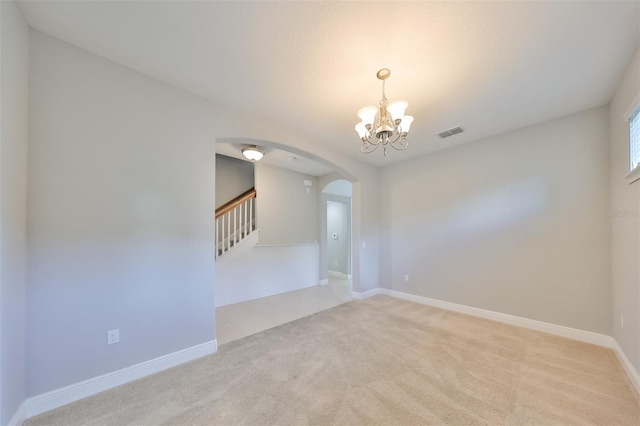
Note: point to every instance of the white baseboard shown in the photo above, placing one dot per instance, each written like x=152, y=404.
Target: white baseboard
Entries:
x=339, y=275
x=558, y=330
x=20, y=416
x=633, y=375
x=366, y=294
x=323, y=282
x=68, y=394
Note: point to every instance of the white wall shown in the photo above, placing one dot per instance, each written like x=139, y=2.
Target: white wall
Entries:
x=14, y=91
x=625, y=238
x=287, y=210
x=121, y=202
x=233, y=177
x=264, y=271
x=366, y=205
x=514, y=223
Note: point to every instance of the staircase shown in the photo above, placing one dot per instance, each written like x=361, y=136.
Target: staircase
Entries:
x=235, y=222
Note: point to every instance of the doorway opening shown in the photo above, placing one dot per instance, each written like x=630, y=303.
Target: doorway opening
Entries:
x=337, y=235
x=275, y=278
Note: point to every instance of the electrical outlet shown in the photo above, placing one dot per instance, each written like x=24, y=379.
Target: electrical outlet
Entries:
x=113, y=336
x=406, y=277
x=621, y=321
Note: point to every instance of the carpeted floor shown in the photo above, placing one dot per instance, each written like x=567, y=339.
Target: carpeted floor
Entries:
x=377, y=361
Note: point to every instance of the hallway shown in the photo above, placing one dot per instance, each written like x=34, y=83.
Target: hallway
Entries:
x=244, y=319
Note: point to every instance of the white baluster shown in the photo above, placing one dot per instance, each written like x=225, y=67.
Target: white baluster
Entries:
x=235, y=226
x=250, y=215
x=228, y=230
x=222, y=220
x=244, y=222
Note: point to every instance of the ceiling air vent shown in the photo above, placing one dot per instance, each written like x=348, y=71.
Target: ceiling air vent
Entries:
x=450, y=132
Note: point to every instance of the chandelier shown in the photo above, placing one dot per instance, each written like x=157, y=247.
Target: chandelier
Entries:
x=389, y=128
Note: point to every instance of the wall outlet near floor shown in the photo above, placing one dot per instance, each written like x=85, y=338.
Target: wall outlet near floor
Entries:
x=406, y=277
x=621, y=321
x=113, y=336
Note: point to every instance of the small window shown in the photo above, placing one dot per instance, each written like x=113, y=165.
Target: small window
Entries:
x=634, y=141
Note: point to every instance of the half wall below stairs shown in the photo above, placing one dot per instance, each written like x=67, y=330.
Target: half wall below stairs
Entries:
x=265, y=270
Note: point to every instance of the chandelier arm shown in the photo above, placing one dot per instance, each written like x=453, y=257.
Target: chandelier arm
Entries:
x=398, y=136
x=372, y=141
x=367, y=148
x=404, y=144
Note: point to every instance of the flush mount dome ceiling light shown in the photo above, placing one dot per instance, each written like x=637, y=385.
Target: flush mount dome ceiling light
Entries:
x=252, y=153
x=389, y=127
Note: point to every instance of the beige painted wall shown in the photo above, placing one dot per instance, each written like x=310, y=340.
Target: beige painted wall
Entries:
x=14, y=72
x=514, y=223
x=286, y=212
x=233, y=177
x=120, y=218
x=625, y=238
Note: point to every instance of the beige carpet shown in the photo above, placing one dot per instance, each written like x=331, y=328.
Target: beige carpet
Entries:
x=378, y=361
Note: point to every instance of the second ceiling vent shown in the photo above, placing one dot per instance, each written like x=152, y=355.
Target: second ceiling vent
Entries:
x=450, y=132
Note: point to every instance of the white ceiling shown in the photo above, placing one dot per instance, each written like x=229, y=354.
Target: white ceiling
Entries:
x=487, y=66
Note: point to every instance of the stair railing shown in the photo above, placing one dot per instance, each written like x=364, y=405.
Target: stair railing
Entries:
x=235, y=221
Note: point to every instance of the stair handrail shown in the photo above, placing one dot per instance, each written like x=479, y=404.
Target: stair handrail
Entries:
x=232, y=204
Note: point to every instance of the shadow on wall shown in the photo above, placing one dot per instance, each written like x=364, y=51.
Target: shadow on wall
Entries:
x=474, y=217
x=503, y=207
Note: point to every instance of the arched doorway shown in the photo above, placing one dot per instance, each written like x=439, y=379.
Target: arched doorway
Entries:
x=260, y=278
